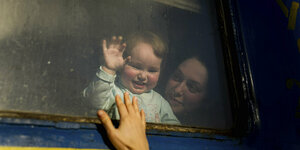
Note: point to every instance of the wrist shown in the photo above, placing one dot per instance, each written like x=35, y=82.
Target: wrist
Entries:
x=108, y=70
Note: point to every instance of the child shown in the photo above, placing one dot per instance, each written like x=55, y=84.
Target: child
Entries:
x=137, y=74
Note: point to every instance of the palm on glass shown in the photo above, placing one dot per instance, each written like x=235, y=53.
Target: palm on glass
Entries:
x=130, y=134
x=113, y=54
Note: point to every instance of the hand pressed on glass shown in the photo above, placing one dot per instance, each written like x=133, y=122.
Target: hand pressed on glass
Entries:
x=131, y=132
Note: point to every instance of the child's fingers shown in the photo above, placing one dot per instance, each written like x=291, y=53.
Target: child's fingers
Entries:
x=105, y=120
x=120, y=38
x=116, y=41
x=113, y=38
x=120, y=46
x=142, y=113
x=104, y=46
x=123, y=47
x=121, y=107
x=128, y=103
x=135, y=104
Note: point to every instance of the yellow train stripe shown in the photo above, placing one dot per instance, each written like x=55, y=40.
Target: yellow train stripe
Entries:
x=283, y=8
x=293, y=15
x=43, y=148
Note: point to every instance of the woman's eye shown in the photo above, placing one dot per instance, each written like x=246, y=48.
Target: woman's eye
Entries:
x=153, y=70
x=193, y=87
x=193, y=90
x=177, y=76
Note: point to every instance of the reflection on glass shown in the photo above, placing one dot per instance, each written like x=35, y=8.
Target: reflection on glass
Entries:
x=50, y=50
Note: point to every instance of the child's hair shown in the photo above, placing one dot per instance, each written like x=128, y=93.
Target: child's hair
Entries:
x=148, y=37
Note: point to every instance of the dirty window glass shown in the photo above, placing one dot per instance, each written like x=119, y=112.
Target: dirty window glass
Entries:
x=51, y=50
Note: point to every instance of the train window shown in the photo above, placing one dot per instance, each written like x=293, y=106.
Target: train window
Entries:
x=51, y=52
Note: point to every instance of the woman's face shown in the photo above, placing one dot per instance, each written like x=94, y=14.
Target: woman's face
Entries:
x=186, y=87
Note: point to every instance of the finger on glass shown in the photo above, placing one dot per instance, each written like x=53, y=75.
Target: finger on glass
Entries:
x=128, y=103
x=121, y=107
x=106, y=121
x=135, y=104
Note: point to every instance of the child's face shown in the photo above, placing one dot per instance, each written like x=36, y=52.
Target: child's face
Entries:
x=140, y=74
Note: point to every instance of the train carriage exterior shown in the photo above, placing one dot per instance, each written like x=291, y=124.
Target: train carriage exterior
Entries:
x=260, y=50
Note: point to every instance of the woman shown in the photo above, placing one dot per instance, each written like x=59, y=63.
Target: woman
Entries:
x=186, y=88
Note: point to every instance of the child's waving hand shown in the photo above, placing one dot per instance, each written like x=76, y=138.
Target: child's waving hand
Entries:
x=113, y=54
